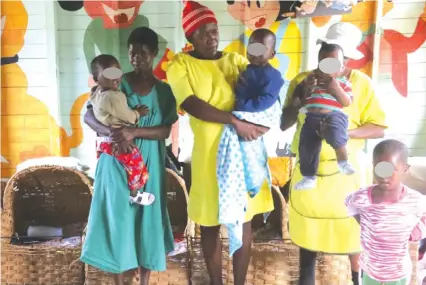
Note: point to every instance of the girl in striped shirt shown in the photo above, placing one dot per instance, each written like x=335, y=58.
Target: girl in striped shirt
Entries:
x=390, y=214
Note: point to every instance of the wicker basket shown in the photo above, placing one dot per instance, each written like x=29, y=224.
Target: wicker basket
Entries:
x=272, y=261
x=43, y=195
x=3, y=184
x=177, y=266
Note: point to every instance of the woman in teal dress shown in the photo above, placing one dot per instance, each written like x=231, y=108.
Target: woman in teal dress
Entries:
x=121, y=236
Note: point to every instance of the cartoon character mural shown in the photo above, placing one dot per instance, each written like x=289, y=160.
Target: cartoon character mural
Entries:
x=28, y=130
x=112, y=22
x=309, y=8
x=394, y=46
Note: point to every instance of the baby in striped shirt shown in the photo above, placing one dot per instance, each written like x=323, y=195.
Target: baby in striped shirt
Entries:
x=324, y=97
x=390, y=214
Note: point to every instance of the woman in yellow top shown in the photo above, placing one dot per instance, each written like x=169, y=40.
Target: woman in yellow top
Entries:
x=203, y=81
x=318, y=218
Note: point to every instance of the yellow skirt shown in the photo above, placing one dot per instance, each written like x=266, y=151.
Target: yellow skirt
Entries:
x=318, y=219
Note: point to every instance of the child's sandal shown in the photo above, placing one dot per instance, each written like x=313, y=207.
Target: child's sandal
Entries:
x=142, y=198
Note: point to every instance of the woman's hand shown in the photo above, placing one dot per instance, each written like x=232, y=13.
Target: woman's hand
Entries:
x=123, y=139
x=303, y=88
x=295, y=103
x=121, y=135
x=248, y=131
x=309, y=81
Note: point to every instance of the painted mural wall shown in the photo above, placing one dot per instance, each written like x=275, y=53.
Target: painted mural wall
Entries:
x=46, y=47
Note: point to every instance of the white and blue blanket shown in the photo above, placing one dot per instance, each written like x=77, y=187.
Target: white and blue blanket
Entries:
x=242, y=168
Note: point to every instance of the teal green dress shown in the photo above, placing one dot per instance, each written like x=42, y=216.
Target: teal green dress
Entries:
x=121, y=236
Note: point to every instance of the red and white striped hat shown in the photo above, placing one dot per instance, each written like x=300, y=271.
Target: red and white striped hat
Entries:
x=195, y=15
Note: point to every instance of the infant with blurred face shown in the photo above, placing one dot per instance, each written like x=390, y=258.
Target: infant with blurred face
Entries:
x=111, y=109
x=324, y=96
x=258, y=87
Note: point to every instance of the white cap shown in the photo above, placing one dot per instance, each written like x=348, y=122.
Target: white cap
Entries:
x=345, y=35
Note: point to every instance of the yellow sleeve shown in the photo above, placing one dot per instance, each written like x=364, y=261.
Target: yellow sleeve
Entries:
x=292, y=86
x=371, y=111
x=177, y=78
x=240, y=61
x=115, y=104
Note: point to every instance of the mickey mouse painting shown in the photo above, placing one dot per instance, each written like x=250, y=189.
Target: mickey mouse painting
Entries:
x=111, y=25
x=311, y=8
x=256, y=14
x=260, y=13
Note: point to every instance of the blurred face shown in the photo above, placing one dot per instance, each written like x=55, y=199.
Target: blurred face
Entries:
x=395, y=179
x=338, y=55
x=141, y=57
x=206, y=40
x=106, y=83
x=266, y=53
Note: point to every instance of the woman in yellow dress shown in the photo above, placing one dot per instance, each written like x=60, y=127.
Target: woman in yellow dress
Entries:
x=203, y=81
x=318, y=221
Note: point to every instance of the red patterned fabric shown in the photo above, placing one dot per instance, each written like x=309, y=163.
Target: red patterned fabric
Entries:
x=195, y=15
x=137, y=173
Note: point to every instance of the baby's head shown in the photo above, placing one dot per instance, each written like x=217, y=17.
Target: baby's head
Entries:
x=390, y=160
x=106, y=80
x=335, y=52
x=261, y=47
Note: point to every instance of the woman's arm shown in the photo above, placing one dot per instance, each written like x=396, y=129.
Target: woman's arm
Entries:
x=188, y=101
x=127, y=134
x=94, y=124
x=367, y=131
x=296, y=94
x=153, y=133
x=175, y=139
x=206, y=112
x=291, y=109
x=372, y=116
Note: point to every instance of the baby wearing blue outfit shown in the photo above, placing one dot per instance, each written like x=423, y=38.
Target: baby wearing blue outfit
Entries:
x=258, y=91
x=257, y=102
x=259, y=85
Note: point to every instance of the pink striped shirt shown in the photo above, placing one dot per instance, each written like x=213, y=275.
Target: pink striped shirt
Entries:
x=385, y=231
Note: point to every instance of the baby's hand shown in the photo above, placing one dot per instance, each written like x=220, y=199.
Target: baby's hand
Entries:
x=333, y=86
x=325, y=81
x=143, y=110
